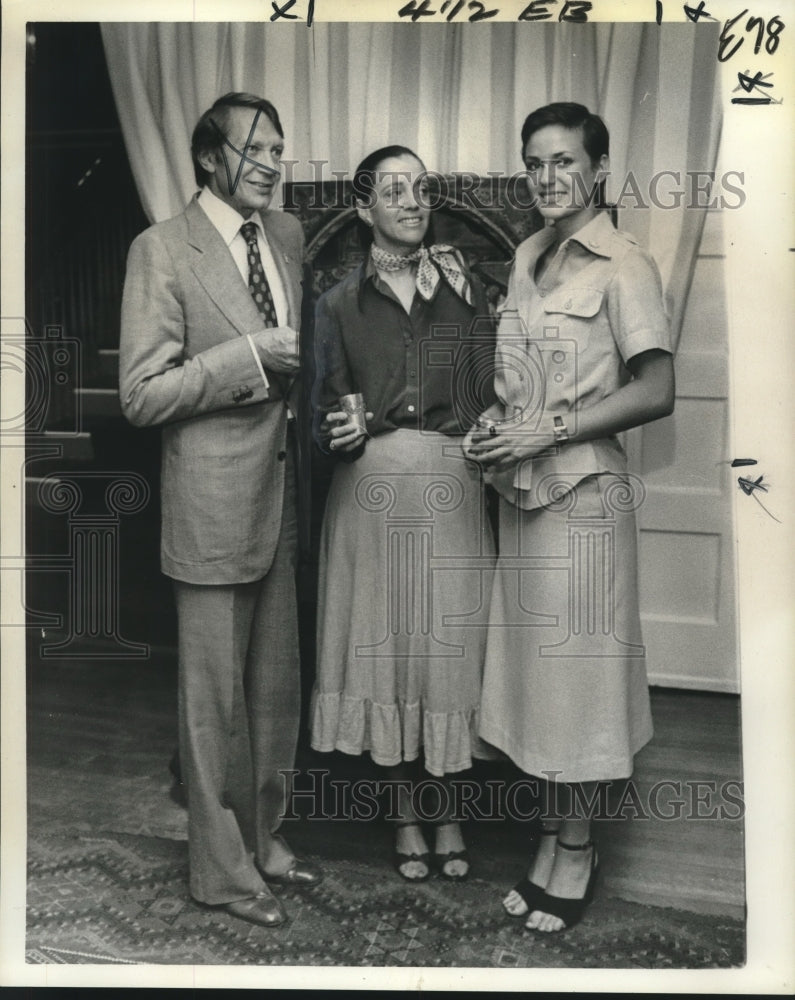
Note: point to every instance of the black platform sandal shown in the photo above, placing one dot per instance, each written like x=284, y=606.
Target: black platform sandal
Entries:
x=570, y=911
x=403, y=859
x=441, y=860
x=530, y=892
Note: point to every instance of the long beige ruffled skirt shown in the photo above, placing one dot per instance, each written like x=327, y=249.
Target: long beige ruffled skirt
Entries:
x=406, y=568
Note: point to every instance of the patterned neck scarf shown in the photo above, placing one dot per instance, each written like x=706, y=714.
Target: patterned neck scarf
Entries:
x=432, y=263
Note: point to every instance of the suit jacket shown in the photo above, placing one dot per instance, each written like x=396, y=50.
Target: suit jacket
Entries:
x=185, y=363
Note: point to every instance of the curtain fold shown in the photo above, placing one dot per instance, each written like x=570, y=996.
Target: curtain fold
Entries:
x=458, y=94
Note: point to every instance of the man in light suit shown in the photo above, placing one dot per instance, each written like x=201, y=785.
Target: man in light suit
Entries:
x=209, y=350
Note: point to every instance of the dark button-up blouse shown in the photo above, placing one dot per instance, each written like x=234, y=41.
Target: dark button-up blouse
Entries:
x=431, y=369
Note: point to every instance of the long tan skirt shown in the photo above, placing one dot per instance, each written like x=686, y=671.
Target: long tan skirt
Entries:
x=406, y=567
x=564, y=690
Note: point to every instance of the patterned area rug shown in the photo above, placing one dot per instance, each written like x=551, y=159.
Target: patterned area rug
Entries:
x=123, y=899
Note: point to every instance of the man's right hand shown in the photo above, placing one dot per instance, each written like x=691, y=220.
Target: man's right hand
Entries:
x=278, y=349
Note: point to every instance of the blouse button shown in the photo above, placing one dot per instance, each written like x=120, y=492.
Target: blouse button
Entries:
x=593, y=243
x=542, y=292
x=567, y=304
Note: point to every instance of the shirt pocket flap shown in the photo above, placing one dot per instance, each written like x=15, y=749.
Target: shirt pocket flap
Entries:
x=585, y=302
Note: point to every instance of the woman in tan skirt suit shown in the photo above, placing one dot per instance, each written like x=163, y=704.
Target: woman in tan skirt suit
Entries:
x=584, y=352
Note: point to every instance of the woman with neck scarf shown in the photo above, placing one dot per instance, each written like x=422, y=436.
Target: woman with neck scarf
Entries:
x=406, y=549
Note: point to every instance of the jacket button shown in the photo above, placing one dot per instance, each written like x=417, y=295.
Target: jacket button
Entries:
x=282, y=455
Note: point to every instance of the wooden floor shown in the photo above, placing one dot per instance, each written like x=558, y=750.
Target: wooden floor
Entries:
x=100, y=736
x=695, y=861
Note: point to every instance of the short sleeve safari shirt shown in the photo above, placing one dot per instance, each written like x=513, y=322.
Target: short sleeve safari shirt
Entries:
x=563, y=344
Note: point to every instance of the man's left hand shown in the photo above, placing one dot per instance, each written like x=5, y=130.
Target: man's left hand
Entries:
x=343, y=432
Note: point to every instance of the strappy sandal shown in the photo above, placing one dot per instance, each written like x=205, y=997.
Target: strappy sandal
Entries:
x=441, y=860
x=403, y=859
x=530, y=892
x=570, y=911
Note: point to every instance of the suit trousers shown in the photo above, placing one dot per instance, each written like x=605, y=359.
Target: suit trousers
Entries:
x=239, y=704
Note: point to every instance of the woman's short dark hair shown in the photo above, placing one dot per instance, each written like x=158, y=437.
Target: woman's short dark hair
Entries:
x=364, y=180
x=595, y=137
x=206, y=136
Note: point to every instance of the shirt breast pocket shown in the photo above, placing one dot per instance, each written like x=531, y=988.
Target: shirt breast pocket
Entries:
x=569, y=322
x=575, y=310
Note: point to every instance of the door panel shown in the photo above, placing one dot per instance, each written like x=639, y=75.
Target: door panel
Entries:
x=686, y=543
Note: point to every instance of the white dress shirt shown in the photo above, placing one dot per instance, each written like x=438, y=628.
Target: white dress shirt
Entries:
x=228, y=222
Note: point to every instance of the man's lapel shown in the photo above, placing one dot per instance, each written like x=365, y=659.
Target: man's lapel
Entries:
x=215, y=268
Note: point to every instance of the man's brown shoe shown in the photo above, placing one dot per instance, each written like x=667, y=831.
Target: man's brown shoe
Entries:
x=300, y=874
x=263, y=909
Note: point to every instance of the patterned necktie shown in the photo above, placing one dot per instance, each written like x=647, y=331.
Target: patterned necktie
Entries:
x=261, y=293
x=257, y=282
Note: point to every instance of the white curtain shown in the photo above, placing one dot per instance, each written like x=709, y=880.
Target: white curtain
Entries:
x=458, y=94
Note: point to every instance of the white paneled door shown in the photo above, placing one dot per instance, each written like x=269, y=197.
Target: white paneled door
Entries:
x=686, y=550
